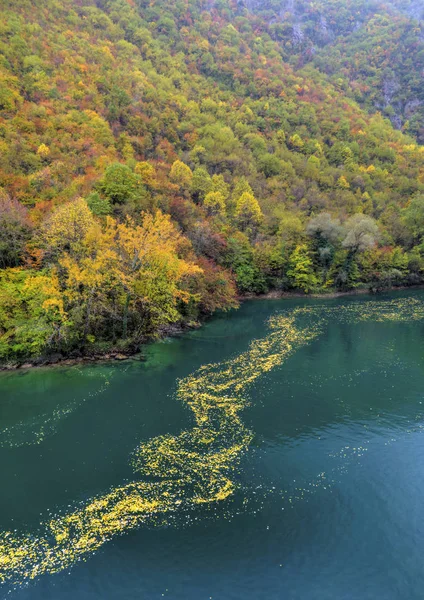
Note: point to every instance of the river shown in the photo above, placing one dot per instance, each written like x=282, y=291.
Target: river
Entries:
x=277, y=453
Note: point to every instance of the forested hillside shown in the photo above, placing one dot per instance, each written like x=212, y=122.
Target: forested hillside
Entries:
x=373, y=51
x=158, y=159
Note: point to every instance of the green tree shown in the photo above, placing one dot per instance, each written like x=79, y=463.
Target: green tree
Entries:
x=344, y=271
x=250, y=279
x=201, y=184
x=270, y=165
x=99, y=206
x=248, y=213
x=241, y=186
x=120, y=185
x=413, y=216
x=300, y=269
x=325, y=233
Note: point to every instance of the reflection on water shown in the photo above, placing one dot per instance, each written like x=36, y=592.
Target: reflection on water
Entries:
x=206, y=464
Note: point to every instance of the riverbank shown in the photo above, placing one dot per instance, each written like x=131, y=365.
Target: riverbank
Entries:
x=113, y=354
x=281, y=295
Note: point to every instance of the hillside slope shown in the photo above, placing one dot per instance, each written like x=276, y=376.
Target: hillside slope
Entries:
x=373, y=51
x=154, y=156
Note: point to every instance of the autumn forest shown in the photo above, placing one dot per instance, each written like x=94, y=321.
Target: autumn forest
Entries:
x=161, y=160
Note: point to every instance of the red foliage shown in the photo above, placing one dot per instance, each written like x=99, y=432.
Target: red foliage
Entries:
x=216, y=287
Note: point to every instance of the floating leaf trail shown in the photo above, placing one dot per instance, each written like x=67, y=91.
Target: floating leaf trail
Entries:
x=194, y=467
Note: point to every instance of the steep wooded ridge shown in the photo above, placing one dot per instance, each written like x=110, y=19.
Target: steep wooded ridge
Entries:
x=373, y=51
x=159, y=158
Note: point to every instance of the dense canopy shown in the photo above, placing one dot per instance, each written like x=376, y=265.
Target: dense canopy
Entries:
x=158, y=159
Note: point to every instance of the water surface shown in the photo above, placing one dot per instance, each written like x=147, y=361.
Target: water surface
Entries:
x=327, y=483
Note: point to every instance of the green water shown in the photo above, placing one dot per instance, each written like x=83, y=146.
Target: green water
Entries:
x=326, y=453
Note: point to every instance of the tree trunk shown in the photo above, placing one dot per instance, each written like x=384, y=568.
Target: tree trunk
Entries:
x=125, y=319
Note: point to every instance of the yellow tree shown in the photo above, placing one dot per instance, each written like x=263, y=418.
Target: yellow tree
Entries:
x=181, y=175
x=128, y=269
x=147, y=173
x=215, y=203
x=93, y=282
x=65, y=229
x=301, y=271
x=152, y=268
x=219, y=185
x=248, y=213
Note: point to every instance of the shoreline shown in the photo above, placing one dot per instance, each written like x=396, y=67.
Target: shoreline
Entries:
x=280, y=295
x=112, y=355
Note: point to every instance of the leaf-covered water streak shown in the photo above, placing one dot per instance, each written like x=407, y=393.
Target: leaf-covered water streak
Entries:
x=192, y=468
x=197, y=466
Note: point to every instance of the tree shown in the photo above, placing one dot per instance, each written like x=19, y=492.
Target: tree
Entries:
x=152, y=268
x=361, y=233
x=296, y=142
x=215, y=287
x=181, y=175
x=207, y=242
x=344, y=270
x=270, y=165
x=14, y=232
x=32, y=314
x=325, y=233
x=271, y=260
x=248, y=213
x=43, y=151
x=99, y=206
x=413, y=216
x=65, y=229
x=93, y=284
x=290, y=229
x=300, y=269
x=324, y=229
x=201, y=184
x=128, y=273
x=239, y=257
x=219, y=185
x=147, y=173
x=214, y=204
x=221, y=145
x=250, y=279
x=343, y=183
x=241, y=186
x=120, y=185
